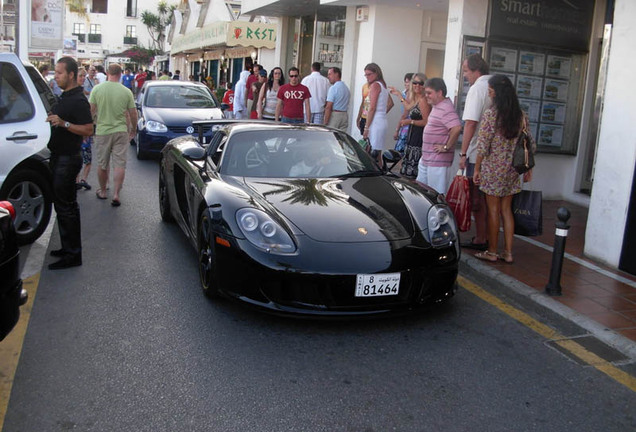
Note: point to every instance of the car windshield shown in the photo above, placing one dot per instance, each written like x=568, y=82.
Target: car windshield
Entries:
x=182, y=97
x=295, y=153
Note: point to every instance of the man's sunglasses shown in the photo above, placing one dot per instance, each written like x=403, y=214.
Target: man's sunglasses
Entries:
x=293, y=76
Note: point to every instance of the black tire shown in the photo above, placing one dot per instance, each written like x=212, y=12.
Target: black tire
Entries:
x=141, y=154
x=30, y=194
x=207, y=260
x=164, y=201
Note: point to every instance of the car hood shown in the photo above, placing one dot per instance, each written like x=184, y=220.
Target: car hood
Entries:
x=181, y=117
x=366, y=209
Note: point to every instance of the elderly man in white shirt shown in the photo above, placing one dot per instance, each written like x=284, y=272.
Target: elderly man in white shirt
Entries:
x=318, y=86
x=475, y=70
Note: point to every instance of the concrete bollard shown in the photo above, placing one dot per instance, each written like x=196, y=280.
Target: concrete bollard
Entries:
x=553, y=288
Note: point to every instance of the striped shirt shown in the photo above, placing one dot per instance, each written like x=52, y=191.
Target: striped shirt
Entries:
x=440, y=121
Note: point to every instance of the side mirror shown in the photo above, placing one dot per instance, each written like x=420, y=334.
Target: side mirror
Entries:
x=194, y=153
x=390, y=158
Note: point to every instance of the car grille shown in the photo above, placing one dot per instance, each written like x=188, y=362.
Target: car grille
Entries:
x=182, y=129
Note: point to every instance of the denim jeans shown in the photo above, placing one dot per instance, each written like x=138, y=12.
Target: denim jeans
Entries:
x=65, y=170
x=291, y=120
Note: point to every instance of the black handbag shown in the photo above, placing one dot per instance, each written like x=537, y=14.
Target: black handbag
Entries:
x=523, y=154
x=527, y=208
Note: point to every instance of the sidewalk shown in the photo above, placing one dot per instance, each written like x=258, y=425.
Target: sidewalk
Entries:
x=594, y=295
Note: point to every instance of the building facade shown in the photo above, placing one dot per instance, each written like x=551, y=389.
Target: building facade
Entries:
x=210, y=40
x=105, y=28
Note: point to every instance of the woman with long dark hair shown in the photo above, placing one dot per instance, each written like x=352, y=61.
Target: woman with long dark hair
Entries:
x=494, y=172
x=268, y=97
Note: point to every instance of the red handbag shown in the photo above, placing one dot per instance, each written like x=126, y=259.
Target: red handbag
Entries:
x=458, y=198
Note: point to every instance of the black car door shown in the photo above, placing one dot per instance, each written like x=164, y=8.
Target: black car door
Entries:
x=197, y=178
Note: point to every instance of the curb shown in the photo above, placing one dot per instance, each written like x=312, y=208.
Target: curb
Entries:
x=505, y=282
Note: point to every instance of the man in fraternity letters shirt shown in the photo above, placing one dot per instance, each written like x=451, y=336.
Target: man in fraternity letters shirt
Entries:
x=292, y=98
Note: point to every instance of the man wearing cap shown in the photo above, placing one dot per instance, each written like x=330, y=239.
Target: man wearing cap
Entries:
x=256, y=89
x=251, y=79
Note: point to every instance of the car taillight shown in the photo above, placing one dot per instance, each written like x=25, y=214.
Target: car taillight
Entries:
x=7, y=205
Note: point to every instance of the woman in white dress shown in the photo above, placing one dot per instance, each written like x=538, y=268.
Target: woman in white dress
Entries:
x=380, y=103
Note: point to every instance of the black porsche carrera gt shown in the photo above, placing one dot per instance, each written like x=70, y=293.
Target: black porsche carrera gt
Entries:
x=300, y=220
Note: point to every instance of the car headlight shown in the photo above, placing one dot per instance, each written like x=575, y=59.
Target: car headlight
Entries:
x=263, y=232
x=153, y=126
x=441, y=226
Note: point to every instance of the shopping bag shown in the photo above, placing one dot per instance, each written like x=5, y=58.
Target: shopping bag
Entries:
x=528, y=213
x=366, y=145
x=458, y=198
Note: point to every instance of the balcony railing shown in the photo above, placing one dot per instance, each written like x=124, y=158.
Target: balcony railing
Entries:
x=130, y=40
x=94, y=38
x=80, y=37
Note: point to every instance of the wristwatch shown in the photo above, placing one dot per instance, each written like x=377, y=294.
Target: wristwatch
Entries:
x=462, y=155
x=67, y=125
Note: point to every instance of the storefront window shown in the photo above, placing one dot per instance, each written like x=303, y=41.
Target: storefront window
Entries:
x=543, y=49
x=317, y=38
x=330, y=31
x=549, y=85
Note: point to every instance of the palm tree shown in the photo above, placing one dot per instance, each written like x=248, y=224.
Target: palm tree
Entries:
x=157, y=23
x=305, y=191
x=78, y=7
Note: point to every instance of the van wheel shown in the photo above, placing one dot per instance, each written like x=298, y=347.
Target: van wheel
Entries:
x=30, y=195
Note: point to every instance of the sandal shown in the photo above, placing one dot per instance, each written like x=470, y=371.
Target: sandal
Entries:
x=98, y=192
x=472, y=245
x=487, y=256
x=507, y=257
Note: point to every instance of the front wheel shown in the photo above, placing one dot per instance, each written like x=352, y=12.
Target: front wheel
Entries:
x=30, y=194
x=141, y=154
x=207, y=259
x=164, y=201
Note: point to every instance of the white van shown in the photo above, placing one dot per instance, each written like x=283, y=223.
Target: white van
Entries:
x=25, y=178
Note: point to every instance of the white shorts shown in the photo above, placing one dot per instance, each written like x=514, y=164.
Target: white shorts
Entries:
x=435, y=177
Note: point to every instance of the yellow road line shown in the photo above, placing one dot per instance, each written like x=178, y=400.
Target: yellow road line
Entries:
x=568, y=344
x=11, y=346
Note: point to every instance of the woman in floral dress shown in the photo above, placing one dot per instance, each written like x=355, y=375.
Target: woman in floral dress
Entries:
x=494, y=172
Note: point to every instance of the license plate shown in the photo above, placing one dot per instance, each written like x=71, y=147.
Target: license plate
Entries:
x=377, y=285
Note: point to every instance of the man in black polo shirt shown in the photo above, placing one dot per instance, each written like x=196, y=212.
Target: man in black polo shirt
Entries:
x=70, y=120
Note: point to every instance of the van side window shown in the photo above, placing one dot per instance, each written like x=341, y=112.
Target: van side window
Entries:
x=44, y=90
x=15, y=103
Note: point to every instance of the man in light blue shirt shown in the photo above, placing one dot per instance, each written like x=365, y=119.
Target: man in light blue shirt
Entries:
x=337, y=107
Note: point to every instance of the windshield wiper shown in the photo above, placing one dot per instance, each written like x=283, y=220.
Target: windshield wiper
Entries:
x=359, y=173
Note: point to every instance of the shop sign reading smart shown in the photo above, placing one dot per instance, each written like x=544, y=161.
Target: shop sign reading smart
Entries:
x=564, y=24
